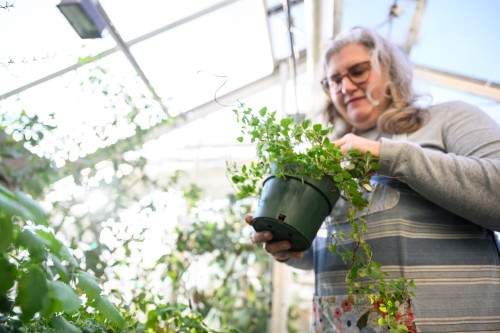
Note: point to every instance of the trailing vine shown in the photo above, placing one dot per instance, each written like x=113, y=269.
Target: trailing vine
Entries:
x=281, y=143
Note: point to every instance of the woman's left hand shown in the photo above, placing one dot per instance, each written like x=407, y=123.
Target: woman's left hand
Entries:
x=357, y=142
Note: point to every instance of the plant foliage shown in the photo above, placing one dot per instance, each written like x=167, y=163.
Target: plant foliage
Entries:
x=58, y=273
x=281, y=143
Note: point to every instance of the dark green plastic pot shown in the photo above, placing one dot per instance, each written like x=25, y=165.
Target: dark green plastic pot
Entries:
x=293, y=209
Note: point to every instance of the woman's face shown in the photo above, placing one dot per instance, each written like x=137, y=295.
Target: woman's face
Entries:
x=350, y=99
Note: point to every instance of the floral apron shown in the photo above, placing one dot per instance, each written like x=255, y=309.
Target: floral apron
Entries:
x=357, y=313
x=352, y=313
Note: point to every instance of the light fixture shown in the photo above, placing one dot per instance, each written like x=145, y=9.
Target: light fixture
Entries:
x=83, y=16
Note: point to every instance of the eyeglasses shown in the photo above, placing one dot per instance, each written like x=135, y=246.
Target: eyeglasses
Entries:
x=358, y=74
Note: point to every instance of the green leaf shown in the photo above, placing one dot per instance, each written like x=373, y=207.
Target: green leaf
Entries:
x=52, y=243
x=263, y=111
x=346, y=174
x=306, y=123
x=8, y=272
x=104, y=306
x=69, y=300
x=64, y=254
x=412, y=284
x=317, y=127
x=6, y=192
x=240, y=139
x=6, y=233
x=285, y=122
x=35, y=244
x=63, y=326
x=61, y=270
x=89, y=285
x=402, y=328
x=32, y=293
x=11, y=207
x=354, y=272
x=38, y=215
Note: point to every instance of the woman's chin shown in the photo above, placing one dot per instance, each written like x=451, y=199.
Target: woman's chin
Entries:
x=362, y=123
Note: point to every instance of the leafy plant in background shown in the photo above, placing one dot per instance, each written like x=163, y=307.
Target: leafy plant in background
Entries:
x=78, y=278
x=45, y=274
x=50, y=286
x=282, y=143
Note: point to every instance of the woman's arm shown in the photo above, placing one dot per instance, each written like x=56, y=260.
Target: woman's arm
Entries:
x=454, y=163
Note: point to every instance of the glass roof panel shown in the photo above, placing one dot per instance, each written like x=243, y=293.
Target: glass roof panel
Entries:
x=133, y=19
x=375, y=15
x=278, y=26
x=272, y=3
x=91, y=99
x=466, y=35
x=37, y=40
x=211, y=55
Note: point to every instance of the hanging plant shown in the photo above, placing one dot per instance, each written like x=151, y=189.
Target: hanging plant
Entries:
x=287, y=151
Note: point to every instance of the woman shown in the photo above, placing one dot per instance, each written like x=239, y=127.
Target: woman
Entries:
x=435, y=207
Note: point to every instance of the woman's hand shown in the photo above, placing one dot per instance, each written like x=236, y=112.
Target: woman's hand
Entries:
x=357, y=142
x=278, y=249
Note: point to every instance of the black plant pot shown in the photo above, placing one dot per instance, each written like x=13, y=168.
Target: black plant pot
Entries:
x=293, y=209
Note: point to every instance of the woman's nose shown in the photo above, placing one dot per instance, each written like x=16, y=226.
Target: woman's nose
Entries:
x=348, y=85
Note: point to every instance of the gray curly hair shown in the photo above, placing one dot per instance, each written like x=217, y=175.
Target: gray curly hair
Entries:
x=402, y=115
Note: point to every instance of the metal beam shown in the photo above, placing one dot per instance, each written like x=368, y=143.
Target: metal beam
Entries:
x=459, y=82
x=125, y=49
x=337, y=16
x=414, y=29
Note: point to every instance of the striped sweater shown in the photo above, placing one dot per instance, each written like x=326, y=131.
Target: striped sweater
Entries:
x=431, y=219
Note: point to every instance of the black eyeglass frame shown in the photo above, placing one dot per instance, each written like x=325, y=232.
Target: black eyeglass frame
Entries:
x=326, y=84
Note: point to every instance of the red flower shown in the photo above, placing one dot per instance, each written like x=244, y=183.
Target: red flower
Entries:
x=410, y=315
x=337, y=313
x=409, y=322
x=398, y=317
x=378, y=305
x=411, y=328
x=346, y=305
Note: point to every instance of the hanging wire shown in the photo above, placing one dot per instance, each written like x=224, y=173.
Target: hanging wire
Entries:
x=288, y=10
x=216, y=90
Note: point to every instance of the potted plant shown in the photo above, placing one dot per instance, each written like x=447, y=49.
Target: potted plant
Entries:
x=303, y=175
x=299, y=175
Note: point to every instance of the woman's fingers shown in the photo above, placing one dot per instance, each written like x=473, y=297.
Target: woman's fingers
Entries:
x=278, y=246
x=353, y=141
x=279, y=249
x=261, y=237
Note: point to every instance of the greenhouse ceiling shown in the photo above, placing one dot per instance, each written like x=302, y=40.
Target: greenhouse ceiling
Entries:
x=186, y=64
